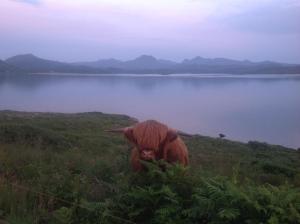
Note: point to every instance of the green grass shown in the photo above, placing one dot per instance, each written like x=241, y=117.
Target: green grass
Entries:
x=64, y=168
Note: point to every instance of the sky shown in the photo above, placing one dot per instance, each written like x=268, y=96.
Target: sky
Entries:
x=85, y=30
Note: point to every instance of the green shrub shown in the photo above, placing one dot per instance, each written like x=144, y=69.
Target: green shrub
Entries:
x=227, y=181
x=278, y=169
x=174, y=196
x=32, y=136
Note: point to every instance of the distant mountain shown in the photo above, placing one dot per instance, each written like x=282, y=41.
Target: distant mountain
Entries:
x=31, y=63
x=141, y=63
x=149, y=64
x=146, y=64
x=224, y=65
x=214, y=61
x=104, y=63
x=5, y=67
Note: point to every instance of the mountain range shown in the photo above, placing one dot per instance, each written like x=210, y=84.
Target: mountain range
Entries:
x=147, y=64
x=7, y=67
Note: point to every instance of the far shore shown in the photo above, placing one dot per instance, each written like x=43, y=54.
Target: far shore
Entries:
x=221, y=75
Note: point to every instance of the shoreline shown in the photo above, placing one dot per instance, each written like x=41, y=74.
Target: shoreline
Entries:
x=33, y=114
x=184, y=75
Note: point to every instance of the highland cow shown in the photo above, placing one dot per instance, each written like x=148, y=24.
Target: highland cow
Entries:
x=155, y=141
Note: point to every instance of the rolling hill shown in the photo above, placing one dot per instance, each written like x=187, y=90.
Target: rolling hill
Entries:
x=65, y=168
x=147, y=64
x=5, y=67
x=32, y=63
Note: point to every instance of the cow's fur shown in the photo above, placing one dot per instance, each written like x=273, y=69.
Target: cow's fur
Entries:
x=155, y=141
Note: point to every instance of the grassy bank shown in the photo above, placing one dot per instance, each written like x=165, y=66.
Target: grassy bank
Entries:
x=63, y=168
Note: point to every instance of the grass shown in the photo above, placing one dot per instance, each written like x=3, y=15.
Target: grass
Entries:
x=64, y=168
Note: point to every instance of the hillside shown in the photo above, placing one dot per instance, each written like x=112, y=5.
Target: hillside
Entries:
x=31, y=63
x=63, y=168
x=5, y=67
x=147, y=64
x=140, y=63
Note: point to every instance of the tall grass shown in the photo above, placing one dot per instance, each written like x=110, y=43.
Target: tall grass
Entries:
x=58, y=168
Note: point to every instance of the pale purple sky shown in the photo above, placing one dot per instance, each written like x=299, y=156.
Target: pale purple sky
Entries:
x=79, y=30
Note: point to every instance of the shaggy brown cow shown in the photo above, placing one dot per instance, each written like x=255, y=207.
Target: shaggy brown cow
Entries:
x=155, y=141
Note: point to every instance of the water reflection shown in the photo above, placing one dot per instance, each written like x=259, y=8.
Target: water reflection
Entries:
x=261, y=108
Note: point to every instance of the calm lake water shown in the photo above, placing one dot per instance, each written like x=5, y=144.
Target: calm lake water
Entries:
x=257, y=107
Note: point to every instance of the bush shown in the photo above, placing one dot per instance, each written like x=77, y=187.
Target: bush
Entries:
x=32, y=136
x=40, y=182
x=174, y=196
x=278, y=169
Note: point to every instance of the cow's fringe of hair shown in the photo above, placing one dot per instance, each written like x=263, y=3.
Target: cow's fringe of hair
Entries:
x=150, y=134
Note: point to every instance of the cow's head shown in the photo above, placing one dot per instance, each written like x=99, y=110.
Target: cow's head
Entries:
x=150, y=137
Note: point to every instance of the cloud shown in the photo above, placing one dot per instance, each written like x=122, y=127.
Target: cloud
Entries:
x=31, y=2
x=268, y=18
x=175, y=29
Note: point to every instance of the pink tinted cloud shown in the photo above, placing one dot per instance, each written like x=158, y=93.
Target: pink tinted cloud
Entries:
x=173, y=29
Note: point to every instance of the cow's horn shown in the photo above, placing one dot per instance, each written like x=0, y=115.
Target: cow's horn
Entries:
x=181, y=133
